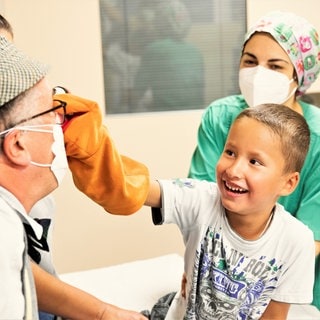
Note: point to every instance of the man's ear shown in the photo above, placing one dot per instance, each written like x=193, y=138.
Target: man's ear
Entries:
x=15, y=149
x=290, y=183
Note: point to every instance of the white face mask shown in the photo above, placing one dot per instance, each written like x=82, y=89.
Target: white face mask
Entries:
x=59, y=165
x=260, y=85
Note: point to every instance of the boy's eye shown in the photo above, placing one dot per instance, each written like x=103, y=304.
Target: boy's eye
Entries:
x=255, y=162
x=229, y=152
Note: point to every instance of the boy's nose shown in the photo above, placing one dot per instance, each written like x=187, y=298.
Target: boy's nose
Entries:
x=235, y=170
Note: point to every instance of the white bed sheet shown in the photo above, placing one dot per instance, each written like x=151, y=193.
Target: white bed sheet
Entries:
x=138, y=285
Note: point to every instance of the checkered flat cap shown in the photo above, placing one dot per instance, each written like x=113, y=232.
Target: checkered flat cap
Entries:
x=18, y=72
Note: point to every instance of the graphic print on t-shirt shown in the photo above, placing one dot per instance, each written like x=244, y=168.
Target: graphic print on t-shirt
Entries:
x=227, y=284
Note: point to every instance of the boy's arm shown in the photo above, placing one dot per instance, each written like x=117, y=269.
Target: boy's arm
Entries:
x=154, y=195
x=59, y=298
x=117, y=183
x=276, y=311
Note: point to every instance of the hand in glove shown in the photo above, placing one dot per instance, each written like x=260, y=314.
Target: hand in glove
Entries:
x=117, y=183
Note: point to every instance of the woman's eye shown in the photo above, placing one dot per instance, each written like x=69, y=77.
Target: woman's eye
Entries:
x=275, y=67
x=249, y=62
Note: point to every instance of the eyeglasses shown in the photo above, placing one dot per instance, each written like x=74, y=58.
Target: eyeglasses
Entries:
x=60, y=117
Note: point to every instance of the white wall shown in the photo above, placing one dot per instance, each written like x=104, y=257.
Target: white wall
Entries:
x=66, y=35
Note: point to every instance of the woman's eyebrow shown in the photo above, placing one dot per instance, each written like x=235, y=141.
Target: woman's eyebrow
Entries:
x=249, y=54
x=270, y=60
x=279, y=60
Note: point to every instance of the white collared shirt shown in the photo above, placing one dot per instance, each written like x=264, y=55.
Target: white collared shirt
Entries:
x=17, y=298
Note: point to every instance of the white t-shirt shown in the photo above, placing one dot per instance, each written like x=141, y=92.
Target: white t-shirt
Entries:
x=17, y=292
x=226, y=274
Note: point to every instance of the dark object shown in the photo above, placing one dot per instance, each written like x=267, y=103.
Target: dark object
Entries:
x=312, y=98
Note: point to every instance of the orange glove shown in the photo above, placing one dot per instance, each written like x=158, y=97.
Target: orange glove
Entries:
x=117, y=183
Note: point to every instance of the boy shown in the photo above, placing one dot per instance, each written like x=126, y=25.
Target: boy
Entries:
x=245, y=255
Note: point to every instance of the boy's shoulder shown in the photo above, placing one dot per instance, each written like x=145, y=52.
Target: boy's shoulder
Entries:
x=290, y=226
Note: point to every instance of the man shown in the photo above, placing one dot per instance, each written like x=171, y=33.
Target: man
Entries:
x=32, y=164
x=29, y=129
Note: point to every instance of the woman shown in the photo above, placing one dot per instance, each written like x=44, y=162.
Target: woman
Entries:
x=279, y=62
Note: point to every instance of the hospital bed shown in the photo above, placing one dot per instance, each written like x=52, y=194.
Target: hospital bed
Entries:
x=139, y=284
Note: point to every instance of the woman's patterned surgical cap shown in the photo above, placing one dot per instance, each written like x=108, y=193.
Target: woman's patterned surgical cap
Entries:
x=298, y=38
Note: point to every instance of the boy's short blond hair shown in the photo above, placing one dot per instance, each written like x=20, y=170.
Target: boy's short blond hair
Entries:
x=291, y=128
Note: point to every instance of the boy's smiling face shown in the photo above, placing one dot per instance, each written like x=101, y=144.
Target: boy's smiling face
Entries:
x=250, y=171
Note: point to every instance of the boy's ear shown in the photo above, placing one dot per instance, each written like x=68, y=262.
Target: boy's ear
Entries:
x=290, y=183
x=15, y=149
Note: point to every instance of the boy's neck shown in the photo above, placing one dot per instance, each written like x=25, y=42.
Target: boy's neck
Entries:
x=248, y=228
